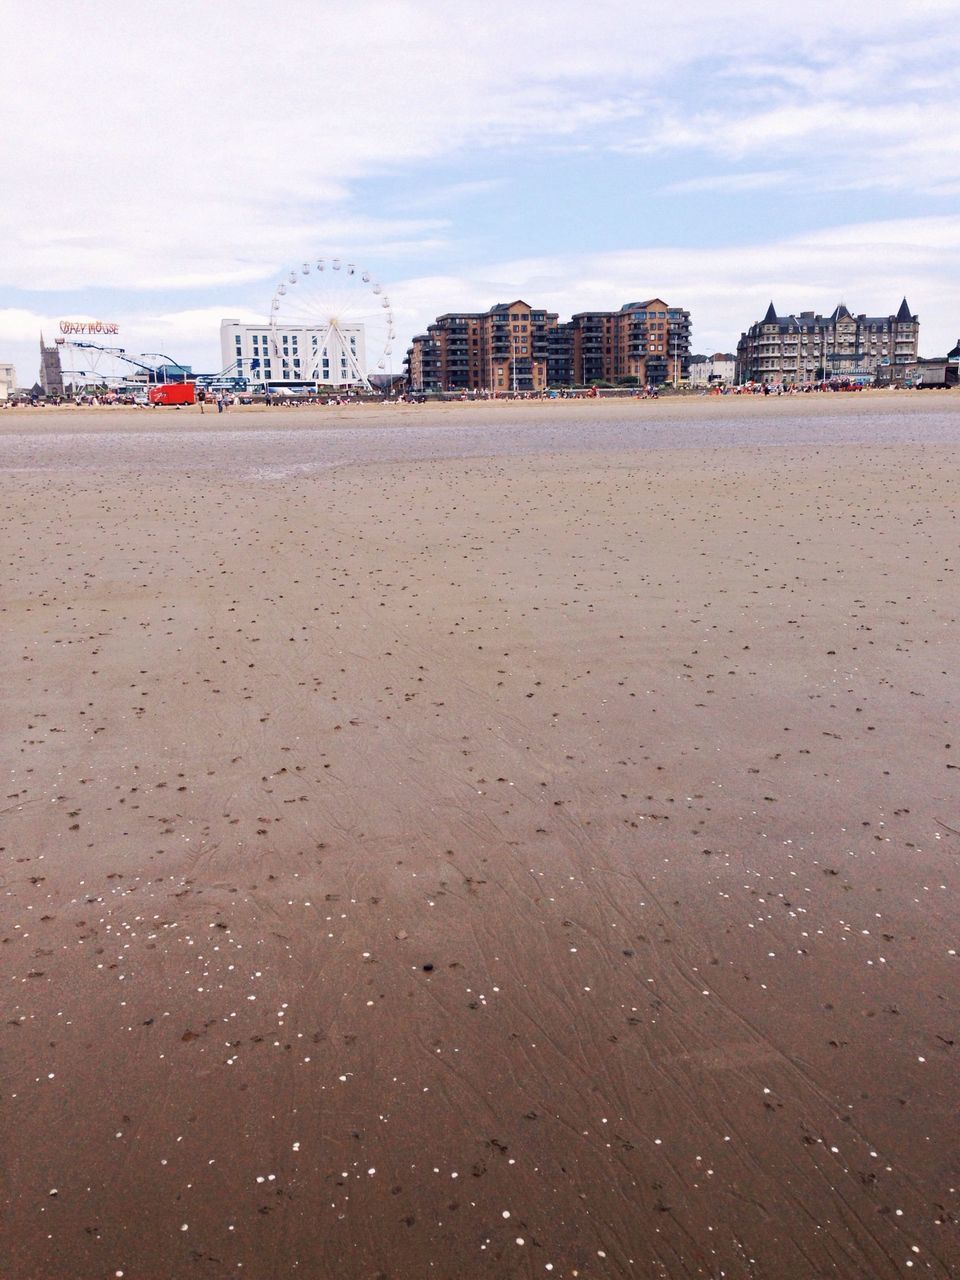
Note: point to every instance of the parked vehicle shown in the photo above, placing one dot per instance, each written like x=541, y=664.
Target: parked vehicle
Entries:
x=175, y=393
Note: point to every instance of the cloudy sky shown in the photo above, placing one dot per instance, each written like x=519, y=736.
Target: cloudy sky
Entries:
x=164, y=164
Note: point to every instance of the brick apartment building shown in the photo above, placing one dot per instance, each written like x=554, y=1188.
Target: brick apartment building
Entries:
x=814, y=348
x=643, y=342
x=504, y=349
x=515, y=347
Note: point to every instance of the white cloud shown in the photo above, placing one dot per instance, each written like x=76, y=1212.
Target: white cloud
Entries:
x=211, y=143
x=880, y=119
x=758, y=180
x=868, y=266
x=208, y=146
x=17, y=322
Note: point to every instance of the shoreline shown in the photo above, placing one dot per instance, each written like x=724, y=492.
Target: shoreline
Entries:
x=102, y=418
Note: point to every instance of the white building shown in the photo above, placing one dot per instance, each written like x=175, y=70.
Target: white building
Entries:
x=709, y=373
x=8, y=380
x=294, y=355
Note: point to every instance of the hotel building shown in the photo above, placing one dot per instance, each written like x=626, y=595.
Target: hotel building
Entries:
x=814, y=348
x=8, y=380
x=296, y=355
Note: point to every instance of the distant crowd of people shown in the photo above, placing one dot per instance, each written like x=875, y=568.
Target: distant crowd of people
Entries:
x=226, y=399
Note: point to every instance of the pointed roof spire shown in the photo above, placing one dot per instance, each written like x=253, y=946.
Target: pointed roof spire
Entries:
x=904, y=312
x=771, y=316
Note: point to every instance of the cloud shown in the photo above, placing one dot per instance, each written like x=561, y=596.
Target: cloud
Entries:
x=208, y=153
x=869, y=266
x=878, y=120
x=209, y=243
x=758, y=180
x=223, y=143
x=17, y=322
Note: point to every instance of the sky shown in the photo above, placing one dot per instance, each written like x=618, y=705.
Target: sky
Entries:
x=166, y=165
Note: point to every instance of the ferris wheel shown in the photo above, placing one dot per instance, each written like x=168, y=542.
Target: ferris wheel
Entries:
x=331, y=322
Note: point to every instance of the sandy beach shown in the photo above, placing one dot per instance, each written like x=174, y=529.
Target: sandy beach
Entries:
x=513, y=840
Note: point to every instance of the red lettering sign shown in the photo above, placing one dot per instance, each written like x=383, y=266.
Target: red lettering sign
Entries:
x=88, y=327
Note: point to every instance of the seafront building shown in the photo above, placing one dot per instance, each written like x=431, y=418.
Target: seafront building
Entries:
x=809, y=348
x=293, y=355
x=8, y=380
x=934, y=371
x=644, y=342
x=514, y=347
x=720, y=369
x=507, y=348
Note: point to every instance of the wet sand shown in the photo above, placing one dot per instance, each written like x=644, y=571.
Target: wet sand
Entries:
x=536, y=862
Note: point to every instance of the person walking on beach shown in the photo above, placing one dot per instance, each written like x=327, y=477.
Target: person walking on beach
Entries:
x=219, y=402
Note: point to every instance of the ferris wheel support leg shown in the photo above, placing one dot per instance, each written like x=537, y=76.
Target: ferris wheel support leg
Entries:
x=322, y=350
x=361, y=376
